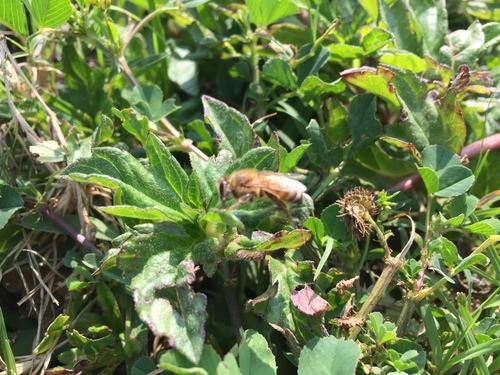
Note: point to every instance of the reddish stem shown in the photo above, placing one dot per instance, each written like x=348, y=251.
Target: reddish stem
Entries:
x=470, y=151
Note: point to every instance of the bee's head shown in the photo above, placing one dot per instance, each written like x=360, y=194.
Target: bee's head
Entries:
x=224, y=190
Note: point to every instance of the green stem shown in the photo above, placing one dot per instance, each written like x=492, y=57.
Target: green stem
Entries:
x=6, y=350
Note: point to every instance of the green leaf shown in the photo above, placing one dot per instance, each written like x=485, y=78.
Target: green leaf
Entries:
x=375, y=40
x=134, y=123
x=313, y=87
x=233, y=128
x=166, y=166
x=103, y=132
x=290, y=161
x=265, y=13
x=10, y=202
x=318, y=152
x=280, y=73
x=109, y=305
x=439, y=158
x=333, y=224
x=454, y=181
x=470, y=261
x=363, y=125
x=313, y=63
x=179, y=316
x=488, y=227
x=49, y=152
x=274, y=305
x=255, y=356
x=377, y=81
x=153, y=240
x=329, y=355
x=463, y=46
x=462, y=205
x=340, y=53
x=12, y=14
x=134, y=184
x=398, y=16
x=148, y=101
x=49, y=13
x=184, y=71
x=403, y=60
x=228, y=366
x=430, y=178
x=54, y=331
x=432, y=19
x=262, y=241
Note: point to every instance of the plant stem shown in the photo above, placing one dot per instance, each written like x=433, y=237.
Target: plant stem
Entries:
x=6, y=350
x=392, y=266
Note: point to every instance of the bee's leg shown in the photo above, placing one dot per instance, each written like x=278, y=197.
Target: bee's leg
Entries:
x=243, y=199
x=282, y=205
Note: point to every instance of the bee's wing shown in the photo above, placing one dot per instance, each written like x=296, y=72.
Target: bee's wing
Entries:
x=270, y=182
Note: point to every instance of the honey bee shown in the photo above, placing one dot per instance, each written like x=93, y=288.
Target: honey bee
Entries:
x=246, y=184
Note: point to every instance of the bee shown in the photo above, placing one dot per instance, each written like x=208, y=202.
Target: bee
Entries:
x=246, y=184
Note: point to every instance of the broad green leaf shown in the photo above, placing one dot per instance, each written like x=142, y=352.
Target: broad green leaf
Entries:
x=255, y=357
x=12, y=14
x=454, y=181
x=371, y=7
x=365, y=128
x=109, y=306
x=463, y=46
x=290, y=161
x=156, y=239
x=228, y=366
x=148, y=101
x=462, y=205
x=454, y=124
x=488, y=227
x=470, y=261
x=491, y=33
x=333, y=224
x=403, y=60
x=263, y=242
x=165, y=165
x=143, y=366
x=377, y=81
x=234, y=129
x=318, y=152
x=336, y=130
x=274, y=305
x=49, y=14
x=340, y=53
x=399, y=18
x=313, y=63
x=134, y=184
x=174, y=362
x=103, y=132
x=329, y=355
x=279, y=72
x=265, y=13
x=430, y=178
x=432, y=18
x=375, y=40
x=439, y=158
x=10, y=202
x=448, y=251
x=179, y=316
x=426, y=120
x=134, y=123
x=208, y=174
x=377, y=160
x=184, y=72
x=149, y=213
x=49, y=152
x=54, y=331
x=313, y=87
